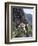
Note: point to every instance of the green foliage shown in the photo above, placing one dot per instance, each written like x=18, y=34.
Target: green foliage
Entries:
x=29, y=29
x=20, y=32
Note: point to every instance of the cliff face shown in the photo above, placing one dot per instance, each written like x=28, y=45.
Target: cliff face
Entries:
x=18, y=16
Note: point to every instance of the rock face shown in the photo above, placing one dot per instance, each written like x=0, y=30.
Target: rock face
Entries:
x=19, y=16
